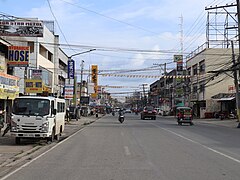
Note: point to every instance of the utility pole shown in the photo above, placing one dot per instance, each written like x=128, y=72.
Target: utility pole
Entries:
x=72, y=72
x=165, y=79
x=235, y=81
x=81, y=81
x=144, y=95
x=238, y=60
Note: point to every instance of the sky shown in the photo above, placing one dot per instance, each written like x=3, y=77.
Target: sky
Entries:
x=130, y=36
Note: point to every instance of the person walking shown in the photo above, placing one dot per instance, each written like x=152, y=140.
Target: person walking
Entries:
x=8, y=121
x=1, y=120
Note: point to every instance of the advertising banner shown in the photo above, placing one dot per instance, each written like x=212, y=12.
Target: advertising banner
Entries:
x=95, y=80
x=33, y=86
x=36, y=73
x=177, y=58
x=71, y=69
x=21, y=28
x=9, y=88
x=18, y=56
x=68, y=91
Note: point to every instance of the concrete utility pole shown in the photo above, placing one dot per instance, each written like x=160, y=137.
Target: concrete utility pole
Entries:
x=144, y=95
x=238, y=60
x=81, y=81
x=236, y=81
x=75, y=79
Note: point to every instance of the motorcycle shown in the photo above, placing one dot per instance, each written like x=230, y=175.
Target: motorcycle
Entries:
x=113, y=113
x=121, y=117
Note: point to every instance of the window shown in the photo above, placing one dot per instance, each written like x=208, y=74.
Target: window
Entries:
x=195, y=71
x=202, y=87
x=202, y=66
x=189, y=71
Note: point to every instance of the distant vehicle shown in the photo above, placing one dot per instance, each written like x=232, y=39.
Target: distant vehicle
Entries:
x=128, y=111
x=184, y=115
x=38, y=117
x=72, y=112
x=148, y=112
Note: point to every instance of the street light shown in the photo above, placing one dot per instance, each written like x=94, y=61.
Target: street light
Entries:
x=71, y=71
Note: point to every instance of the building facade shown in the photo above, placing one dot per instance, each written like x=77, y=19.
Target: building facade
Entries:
x=207, y=81
x=45, y=55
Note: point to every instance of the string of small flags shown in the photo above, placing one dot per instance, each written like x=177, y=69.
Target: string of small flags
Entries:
x=144, y=76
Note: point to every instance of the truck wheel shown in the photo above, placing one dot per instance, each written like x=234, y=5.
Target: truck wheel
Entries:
x=17, y=140
x=57, y=137
x=51, y=138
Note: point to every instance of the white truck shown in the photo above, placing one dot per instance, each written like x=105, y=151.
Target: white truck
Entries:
x=37, y=117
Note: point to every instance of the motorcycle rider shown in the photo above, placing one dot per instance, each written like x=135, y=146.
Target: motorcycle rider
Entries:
x=121, y=115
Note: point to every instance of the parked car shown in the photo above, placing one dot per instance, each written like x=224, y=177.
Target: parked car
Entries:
x=148, y=112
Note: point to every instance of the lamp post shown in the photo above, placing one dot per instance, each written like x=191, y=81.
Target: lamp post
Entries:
x=71, y=71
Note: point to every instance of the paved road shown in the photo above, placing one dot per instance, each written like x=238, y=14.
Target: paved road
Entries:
x=141, y=150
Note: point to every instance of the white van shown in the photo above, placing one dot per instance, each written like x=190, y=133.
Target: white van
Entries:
x=38, y=117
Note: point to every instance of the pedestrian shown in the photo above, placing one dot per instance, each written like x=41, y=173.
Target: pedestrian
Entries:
x=1, y=120
x=68, y=114
x=8, y=121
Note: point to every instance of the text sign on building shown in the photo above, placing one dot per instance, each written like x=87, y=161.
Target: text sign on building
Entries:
x=68, y=91
x=95, y=80
x=177, y=58
x=18, y=56
x=21, y=28
x=95, y=74
x=71, y=69
x=9, y=88
x=36, y=73
x=33, y=86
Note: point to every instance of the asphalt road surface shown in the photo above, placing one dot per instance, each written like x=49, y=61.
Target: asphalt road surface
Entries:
x=140, y=150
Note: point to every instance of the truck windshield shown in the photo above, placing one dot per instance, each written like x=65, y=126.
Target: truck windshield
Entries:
x=30, y=106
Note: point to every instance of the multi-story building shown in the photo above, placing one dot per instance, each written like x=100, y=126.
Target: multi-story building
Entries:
x=170, y=91
x=44, y=53
x=209, y=86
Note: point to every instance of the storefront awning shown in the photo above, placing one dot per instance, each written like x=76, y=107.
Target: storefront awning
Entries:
x=224, y=97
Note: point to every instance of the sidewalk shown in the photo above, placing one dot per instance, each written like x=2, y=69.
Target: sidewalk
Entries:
x=12, y=155
x=231, y=123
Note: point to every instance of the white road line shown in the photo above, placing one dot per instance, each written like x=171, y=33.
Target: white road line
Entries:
x=206, y=147
x=21, y=167
x=127, y=152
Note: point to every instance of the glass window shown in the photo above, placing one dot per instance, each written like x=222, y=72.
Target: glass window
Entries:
x=30, y=106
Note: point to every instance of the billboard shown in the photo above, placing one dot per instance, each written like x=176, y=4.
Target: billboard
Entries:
x=36, y=73
x=18, y=56
x=95, y=80
x=84, y=100
x=71, y=69
x=177, y=58
x=33, y=86
x=22, y=28
x=9, y=88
